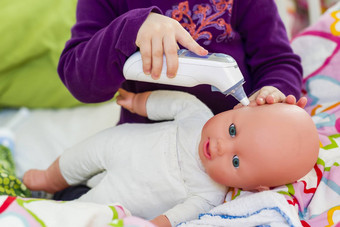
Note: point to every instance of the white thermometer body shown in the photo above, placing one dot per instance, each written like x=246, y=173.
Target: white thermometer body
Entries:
x=218, y=70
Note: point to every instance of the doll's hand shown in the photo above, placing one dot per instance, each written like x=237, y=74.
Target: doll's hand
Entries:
x=125, y=99
x=161, y=221
x=135, y=103
x=159, y=35
x=271, y=95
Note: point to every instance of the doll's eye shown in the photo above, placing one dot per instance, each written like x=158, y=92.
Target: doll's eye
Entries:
x=232, y=130
x=236, y=161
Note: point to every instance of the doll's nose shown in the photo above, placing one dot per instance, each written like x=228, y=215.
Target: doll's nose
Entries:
x=222, y=147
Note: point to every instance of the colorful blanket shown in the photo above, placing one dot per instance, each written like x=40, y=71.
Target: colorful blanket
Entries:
x=316, y=197
x=16, y=211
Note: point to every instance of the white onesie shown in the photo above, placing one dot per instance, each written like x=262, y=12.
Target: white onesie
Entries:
x=151, y=169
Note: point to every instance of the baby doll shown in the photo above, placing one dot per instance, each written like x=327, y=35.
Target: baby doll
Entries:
x=171, y=171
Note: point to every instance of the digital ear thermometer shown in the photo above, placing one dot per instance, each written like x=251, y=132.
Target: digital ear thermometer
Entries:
x=218, y=70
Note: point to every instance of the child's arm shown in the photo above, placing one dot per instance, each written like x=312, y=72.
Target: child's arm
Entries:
x=275, y=70
x=105, y=35
x=91, y=64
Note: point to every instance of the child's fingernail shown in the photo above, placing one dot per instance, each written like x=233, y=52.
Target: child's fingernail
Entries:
x=204, y=51
x=155, y=77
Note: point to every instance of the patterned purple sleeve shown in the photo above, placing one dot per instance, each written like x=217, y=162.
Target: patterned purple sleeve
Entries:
x=91, y=64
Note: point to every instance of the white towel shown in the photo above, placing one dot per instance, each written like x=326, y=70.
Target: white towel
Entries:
x=265, y=208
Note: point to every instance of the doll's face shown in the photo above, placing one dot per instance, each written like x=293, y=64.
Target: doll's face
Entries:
x=261, y=146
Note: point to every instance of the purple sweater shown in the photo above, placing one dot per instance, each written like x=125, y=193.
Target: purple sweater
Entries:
x=249, y=30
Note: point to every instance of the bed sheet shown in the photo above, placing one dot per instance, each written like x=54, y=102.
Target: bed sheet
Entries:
x=43, y=134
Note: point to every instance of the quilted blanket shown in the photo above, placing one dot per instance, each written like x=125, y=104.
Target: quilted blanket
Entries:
x=317, y=196
x=16, y=211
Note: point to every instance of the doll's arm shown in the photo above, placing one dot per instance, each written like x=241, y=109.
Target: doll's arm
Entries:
x=189, y=209
x=134, y=102
x=163, y=105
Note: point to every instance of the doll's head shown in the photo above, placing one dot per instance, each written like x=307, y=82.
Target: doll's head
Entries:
x=258, y=147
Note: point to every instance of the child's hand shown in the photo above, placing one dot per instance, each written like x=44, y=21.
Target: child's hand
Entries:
x=125, y=99
x=159, y=35
x=271, y=95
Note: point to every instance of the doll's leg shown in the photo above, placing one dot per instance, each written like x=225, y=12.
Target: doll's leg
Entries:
x=103, y=193
x=49, y=180
x=77, y=164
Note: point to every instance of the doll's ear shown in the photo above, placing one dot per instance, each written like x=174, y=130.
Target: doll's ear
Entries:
x=262, y=188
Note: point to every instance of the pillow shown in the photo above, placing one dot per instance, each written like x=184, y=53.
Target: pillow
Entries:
x=33, y=34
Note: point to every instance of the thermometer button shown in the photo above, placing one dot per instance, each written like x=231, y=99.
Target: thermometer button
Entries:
x=193, y=55
x=222, y=57
x=181, y=51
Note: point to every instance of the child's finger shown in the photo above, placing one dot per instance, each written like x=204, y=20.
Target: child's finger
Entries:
x=185, y=39
x=275, y=97
x=262, y=95
x=170, y=50
x=290, y=99
x=302, y=102
x=157, y=57
x=145, y=51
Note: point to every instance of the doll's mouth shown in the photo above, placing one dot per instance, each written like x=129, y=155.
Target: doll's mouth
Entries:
x=206, y=150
